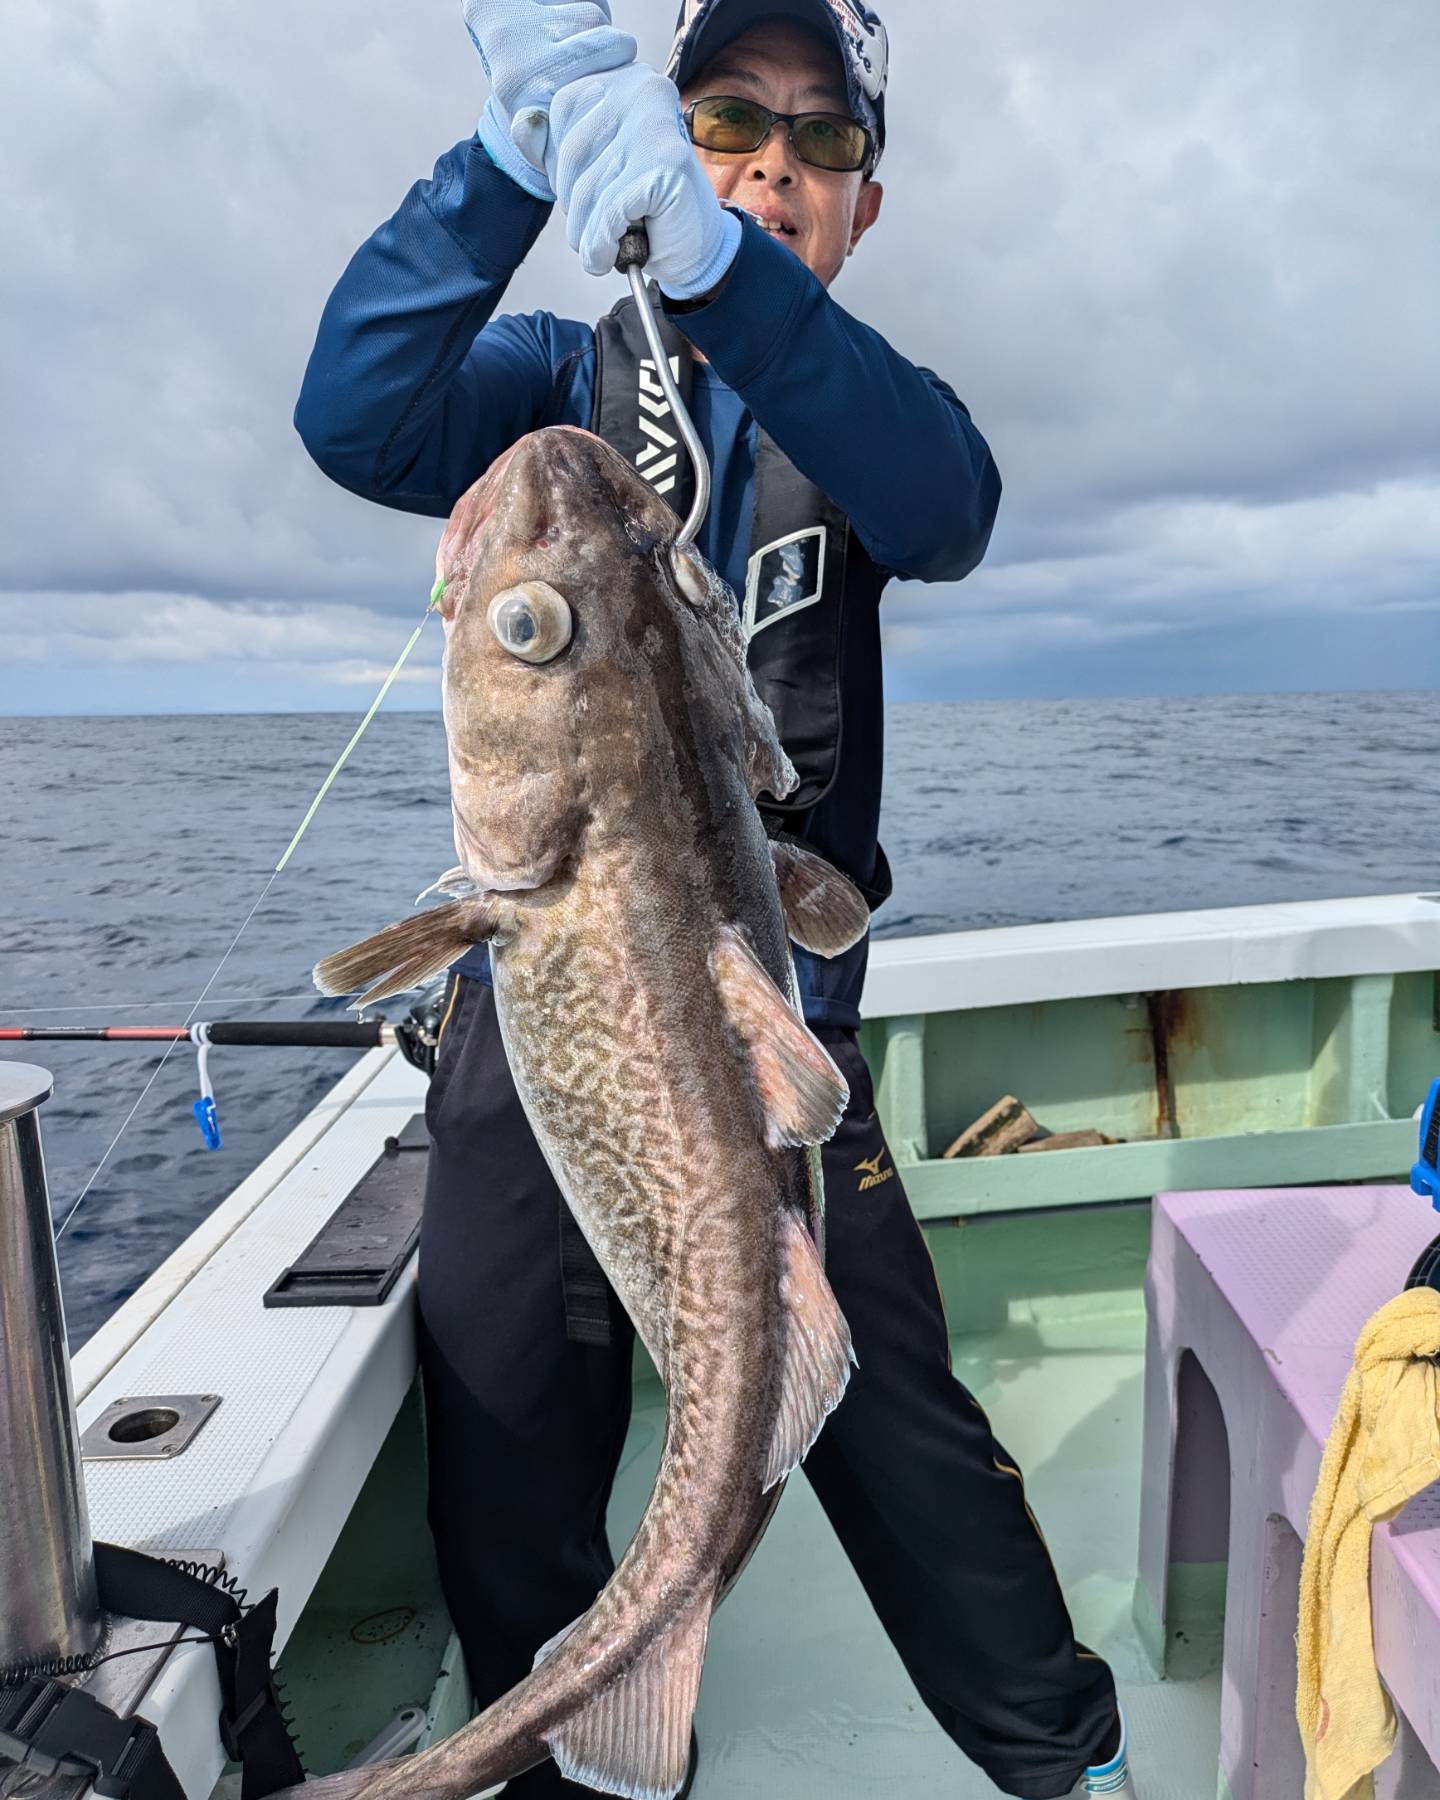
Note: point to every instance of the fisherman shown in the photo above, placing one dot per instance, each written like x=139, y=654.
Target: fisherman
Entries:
x=838, y=464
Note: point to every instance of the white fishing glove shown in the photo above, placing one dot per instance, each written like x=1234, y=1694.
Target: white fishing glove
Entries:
x=530, y=49
x=619, y=151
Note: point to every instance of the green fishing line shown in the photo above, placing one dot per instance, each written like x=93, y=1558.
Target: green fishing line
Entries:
x=360, y=729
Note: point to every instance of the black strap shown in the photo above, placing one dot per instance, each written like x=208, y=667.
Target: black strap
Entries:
x=59, y=1730
x=252, y=1726
x=587, y=1292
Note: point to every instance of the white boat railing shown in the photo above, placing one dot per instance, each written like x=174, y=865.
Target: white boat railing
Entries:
x=1017, y=964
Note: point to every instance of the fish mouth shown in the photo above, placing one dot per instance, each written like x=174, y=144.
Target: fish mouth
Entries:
x=494, y=486
x=552, y=508
x=459, y=544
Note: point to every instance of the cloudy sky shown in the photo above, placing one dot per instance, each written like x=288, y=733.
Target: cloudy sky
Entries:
x=1182, y=262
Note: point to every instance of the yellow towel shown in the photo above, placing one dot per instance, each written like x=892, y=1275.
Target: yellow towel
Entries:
x=1384, y=1448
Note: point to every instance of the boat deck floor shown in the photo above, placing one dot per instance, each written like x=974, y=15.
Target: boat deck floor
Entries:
x=803, y=1695
x=803, y=1698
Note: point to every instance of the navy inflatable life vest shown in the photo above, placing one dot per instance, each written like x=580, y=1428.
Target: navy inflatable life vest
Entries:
x=811, y=601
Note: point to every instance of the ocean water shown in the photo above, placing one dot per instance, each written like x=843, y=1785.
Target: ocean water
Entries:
x=131, y=850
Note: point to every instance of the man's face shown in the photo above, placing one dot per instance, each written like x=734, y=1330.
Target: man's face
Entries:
x=818, y=214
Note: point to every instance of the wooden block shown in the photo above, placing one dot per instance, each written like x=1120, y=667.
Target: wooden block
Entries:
x=1005, y=1127
x=1070, y=1140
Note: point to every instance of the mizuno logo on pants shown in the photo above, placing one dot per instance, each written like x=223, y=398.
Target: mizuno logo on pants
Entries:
x=870, y=1172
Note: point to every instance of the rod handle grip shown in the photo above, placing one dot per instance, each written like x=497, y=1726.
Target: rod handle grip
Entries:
x=310, y=1034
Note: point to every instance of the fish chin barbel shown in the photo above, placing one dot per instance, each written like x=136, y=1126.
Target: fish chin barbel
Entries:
x=634, y=254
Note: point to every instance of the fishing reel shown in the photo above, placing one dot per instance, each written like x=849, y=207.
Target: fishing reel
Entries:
x=418, y=1033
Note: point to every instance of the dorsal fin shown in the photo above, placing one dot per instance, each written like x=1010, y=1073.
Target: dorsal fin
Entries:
x=802, y=1092
x=770, y=769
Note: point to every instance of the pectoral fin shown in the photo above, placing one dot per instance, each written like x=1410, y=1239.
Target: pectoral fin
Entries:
x=410, y=951
x=824, y=910
x=802, y=1092
x=633, y=1737
x=818, y=1351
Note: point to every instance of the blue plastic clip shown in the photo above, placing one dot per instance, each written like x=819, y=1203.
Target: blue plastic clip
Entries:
x=208, y=1120
x=207, y=1116
x=1425, y=1176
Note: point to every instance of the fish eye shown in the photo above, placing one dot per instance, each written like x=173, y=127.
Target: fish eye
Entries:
x=531, y=621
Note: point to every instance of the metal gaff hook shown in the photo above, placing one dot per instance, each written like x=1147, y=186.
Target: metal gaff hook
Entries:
x=634, y=253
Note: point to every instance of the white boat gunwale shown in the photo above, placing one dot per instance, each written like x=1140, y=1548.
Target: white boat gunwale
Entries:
x=1013, y=965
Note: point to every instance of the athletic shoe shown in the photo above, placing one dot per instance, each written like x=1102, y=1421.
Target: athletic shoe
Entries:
x=1112, y=1777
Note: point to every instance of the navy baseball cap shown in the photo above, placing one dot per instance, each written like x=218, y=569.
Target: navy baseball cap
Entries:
x=705, y=27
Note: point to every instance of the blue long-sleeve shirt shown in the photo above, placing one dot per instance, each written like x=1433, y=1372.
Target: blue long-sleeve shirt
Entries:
x=414, y=387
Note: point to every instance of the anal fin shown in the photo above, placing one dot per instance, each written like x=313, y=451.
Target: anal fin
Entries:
x=818, y=1350
x=633, y=1738
x=802, y=1092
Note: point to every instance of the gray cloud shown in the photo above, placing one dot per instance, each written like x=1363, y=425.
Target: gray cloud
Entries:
x=1181, y=263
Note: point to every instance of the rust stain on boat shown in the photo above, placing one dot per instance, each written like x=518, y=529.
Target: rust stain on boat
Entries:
x=1172, y=1020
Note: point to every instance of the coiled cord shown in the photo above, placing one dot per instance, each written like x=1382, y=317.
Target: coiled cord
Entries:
x=80, y=1664
x=87, y=1661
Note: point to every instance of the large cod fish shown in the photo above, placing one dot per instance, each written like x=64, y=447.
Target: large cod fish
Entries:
x=606, y=747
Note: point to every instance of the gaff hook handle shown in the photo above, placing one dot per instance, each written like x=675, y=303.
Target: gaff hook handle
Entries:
x=634, y=247
x=633, y=255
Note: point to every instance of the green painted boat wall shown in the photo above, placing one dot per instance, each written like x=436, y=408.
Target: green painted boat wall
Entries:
x=1245, y=1085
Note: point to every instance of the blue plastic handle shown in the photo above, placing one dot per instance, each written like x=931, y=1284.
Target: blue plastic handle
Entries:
x=208, y=1119
x=1425, y=1176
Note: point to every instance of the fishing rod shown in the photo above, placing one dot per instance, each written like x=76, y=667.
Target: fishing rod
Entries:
x=206, y=1115
x=416, y=1037
x=296, y=1034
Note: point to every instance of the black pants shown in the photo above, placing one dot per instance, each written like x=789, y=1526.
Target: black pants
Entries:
x=526, y=1428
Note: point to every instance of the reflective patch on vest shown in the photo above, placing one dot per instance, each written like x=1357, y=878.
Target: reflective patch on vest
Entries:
x=785, y=577
x=659, y=460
